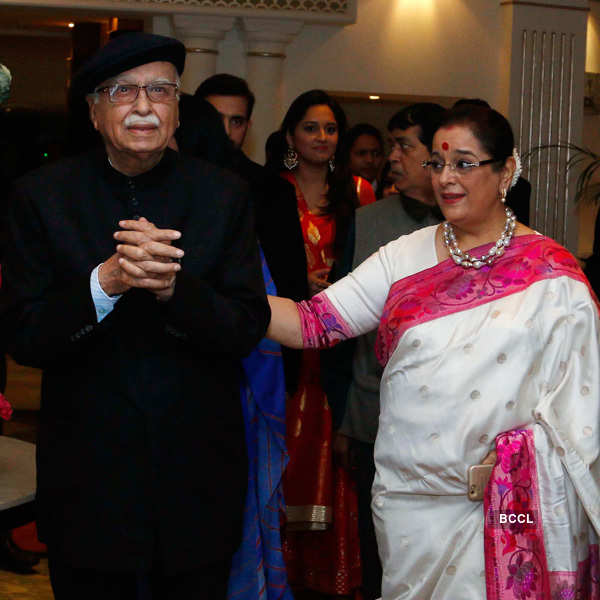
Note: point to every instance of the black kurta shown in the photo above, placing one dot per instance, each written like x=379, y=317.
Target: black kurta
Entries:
x=141, y=452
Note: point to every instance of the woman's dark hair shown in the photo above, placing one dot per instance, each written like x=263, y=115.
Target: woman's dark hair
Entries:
x=275, y=148
x=491, y=129
x=341, y=194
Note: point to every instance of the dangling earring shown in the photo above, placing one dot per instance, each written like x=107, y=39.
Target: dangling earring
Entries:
x=332, y=164
x=503, y=196
x=290, y=162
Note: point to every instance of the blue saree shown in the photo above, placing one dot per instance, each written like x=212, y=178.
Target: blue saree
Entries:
x=258, y=570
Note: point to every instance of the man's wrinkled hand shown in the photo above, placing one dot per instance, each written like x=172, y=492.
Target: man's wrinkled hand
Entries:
x=146, y=258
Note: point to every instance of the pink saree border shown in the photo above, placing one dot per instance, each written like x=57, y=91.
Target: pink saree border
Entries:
x=516, y=565
x=447, y=288
x=515, y=555
x=321, y=323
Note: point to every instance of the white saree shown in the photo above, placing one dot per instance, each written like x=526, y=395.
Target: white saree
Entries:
x=469, y=355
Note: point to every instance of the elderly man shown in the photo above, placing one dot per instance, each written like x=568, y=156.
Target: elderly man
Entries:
x=132, y=279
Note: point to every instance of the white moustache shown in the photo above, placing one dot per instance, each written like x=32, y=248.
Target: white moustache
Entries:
x=134, y=120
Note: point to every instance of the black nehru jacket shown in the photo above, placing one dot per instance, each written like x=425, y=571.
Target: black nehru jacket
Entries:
x=141, y=451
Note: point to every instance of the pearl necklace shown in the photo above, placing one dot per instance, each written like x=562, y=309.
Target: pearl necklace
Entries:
x=464, y=259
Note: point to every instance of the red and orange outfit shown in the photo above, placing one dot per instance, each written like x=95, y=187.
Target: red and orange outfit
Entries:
x=321, y=546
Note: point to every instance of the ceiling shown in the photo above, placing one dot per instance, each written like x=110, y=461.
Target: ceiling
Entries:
x=25, y=19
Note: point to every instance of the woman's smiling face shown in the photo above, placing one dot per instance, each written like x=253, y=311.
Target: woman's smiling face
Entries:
x=316, y=136
x=469, y=197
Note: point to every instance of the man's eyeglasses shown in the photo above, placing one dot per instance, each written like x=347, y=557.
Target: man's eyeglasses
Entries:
x=460, y=166
x=127, y=93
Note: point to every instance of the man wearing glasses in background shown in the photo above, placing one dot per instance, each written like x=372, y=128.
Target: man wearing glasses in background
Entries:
x=350, y=371
x=132, y=279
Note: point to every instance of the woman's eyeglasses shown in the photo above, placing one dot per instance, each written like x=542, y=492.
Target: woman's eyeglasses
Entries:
x=460, y=166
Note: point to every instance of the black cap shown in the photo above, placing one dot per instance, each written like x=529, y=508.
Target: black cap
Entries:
x=126, y=52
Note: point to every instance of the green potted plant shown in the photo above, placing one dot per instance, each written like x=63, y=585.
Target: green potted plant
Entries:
x=587, y=189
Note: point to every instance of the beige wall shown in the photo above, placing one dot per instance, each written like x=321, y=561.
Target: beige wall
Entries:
x=591, y=131
x=428, y=48
x=406, y=47
x=39, y=69
x=592, y=58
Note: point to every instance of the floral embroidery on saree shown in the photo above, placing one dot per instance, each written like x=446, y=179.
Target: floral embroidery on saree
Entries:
x=448, y=288
x=322, y=325
x=515, y=558
x=516, y=566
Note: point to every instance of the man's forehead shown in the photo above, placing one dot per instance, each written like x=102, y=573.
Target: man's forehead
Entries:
x=230, y=106
x=151, y=71
x=367, y=139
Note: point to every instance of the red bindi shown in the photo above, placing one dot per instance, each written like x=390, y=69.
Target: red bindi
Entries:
x=445, y=146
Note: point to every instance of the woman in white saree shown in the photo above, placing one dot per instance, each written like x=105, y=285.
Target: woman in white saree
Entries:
x=491, y=349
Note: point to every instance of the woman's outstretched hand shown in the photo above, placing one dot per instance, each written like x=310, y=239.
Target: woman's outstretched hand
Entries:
x=285, y=326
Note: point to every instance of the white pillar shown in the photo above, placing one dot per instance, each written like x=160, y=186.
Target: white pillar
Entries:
x=266, y=40
x=201, y=36
x=160, y=24
x=543, y=76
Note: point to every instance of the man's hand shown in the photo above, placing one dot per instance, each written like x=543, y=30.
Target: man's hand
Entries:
x=146, y=258
x=110, y=276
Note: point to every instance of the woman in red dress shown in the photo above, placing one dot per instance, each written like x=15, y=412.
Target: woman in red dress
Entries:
x=321, y=534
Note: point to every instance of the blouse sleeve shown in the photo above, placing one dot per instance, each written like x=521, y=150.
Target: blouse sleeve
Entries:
x=350, y=307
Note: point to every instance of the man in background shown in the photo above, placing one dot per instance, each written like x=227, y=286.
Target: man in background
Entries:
x=365, y=152
x=351, y=373
x=232, y=97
